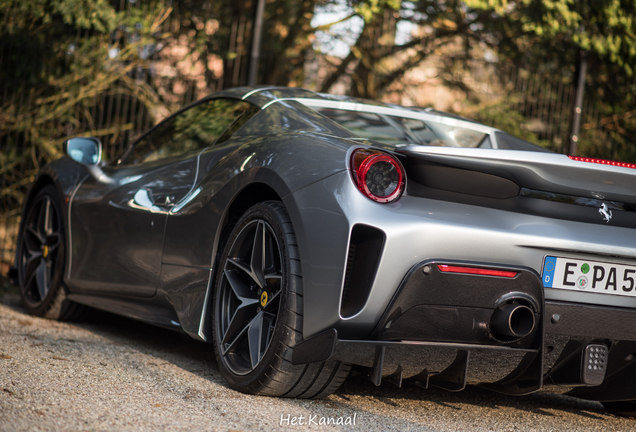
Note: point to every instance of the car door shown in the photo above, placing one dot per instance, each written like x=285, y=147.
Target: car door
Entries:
x=118, y=220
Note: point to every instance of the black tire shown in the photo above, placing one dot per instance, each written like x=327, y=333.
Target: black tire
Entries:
x=254, y=332
x=621, y=408
x=42, y=257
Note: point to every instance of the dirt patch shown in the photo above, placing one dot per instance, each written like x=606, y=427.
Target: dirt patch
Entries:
x=111, y=373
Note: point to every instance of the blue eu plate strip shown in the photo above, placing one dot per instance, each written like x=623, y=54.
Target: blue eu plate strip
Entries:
x=548, y=271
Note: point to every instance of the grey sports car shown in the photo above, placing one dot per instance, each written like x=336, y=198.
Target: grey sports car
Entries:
x=306, y=235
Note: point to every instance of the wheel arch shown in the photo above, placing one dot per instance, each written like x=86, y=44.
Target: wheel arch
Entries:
x=273, y=373
x=65, y=175
x=250, y=195
x=41, y=181
x=52, y=301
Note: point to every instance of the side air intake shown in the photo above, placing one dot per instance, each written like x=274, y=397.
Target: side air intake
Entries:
x=365, y=250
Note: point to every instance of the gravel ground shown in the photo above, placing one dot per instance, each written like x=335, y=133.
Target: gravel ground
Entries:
x=111, y=373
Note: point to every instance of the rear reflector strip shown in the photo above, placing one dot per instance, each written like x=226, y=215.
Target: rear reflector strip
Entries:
x=603, y=162
x=476, y=271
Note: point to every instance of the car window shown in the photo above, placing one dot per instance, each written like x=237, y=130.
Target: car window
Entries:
x=454, y=136
x=194, y=129
x=364, y=124
x=509, y=142
x=394, y=129
x=486, y=143
x=422, y=132
x=249, y=112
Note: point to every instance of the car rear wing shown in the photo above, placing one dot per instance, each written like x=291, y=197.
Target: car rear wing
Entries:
x=530, y=171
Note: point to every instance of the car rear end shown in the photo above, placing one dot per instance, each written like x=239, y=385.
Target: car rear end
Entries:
x=510, y=269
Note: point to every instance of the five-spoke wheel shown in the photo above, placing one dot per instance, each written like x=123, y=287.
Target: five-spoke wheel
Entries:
x=41, y=258
x=249, y=297
x=258, y=310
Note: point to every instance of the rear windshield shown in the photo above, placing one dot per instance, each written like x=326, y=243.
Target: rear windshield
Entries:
x=396, y=130
x=509, y=142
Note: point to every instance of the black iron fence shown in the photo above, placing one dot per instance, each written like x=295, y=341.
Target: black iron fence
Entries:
x=543, y=107
x=113, y=87
x=130, y=97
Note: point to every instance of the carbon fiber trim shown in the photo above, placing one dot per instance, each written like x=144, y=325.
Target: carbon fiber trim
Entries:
x=589, y=321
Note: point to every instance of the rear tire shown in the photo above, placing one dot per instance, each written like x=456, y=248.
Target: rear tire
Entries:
x=258, y=307
x=42, y=257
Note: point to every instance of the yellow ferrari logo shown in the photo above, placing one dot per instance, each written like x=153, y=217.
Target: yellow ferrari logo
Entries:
x=45, y=251
x=264, y=298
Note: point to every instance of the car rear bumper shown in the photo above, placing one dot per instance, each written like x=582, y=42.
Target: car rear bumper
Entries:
x=440, y=329
x=331, y=227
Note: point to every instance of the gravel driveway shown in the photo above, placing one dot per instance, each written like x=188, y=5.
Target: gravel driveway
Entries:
x=111, y=373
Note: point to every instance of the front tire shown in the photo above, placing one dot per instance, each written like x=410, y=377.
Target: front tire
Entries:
x=258, y=306
x=41, y=259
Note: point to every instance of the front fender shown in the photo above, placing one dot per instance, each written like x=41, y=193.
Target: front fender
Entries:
x=66, y=175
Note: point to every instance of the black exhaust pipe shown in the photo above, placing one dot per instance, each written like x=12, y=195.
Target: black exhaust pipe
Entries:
x=512, y=321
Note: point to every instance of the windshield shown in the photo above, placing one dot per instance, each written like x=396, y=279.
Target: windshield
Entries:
x=395, y=130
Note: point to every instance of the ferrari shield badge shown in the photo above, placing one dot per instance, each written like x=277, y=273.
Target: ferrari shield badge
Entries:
x=605, y=212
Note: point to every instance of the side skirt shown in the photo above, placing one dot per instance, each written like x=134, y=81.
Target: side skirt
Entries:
x=142, y=311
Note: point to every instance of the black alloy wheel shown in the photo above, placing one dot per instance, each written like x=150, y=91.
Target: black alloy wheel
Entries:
x=249, y=297
x=258, y=311
x=41, y=259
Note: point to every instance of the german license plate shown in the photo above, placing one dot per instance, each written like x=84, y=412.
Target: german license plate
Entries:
x=589, y=276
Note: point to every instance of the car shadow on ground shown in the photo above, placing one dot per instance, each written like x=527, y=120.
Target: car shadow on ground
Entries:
x=544, y=404
x=198, y=358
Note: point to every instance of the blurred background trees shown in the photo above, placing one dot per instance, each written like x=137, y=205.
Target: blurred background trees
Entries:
x=113, y=68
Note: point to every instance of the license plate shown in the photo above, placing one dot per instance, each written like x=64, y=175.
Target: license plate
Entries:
x=589, y=276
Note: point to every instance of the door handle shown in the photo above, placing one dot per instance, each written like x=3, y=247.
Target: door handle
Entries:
x=143, y=201
x=164, y=200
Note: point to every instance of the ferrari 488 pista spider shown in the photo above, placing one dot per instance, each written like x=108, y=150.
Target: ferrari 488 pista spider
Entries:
x=305, y=234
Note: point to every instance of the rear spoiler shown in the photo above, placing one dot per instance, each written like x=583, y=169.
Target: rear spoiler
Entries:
x=549, y=172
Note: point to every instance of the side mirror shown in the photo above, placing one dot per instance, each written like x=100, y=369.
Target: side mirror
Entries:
x=86, y=151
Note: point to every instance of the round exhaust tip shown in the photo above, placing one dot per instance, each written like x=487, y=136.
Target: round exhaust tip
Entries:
x=512, y=321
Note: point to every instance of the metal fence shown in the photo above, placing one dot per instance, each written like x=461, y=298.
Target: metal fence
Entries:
x=117, y=113
x=546, y=106
x=118, y=116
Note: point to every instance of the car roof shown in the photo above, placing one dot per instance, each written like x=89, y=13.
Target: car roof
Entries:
x=263, y=96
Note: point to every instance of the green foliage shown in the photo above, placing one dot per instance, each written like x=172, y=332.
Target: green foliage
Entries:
x=287, y=37
x=60, y=59
x=369, y=9
x=606, y=28
x=38, y=14
x=502, y=115
x=610, y=138
x=213, y=29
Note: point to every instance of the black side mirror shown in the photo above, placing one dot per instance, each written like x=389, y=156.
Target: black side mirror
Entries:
x=86, y=151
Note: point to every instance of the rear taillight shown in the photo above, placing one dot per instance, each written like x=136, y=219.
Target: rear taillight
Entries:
x=378, y=175
x=476, y=271
x=603, y=162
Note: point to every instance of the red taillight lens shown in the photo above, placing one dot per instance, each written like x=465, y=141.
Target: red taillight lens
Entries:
x=476, y=271
x=603, y=162
x=378, y=175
